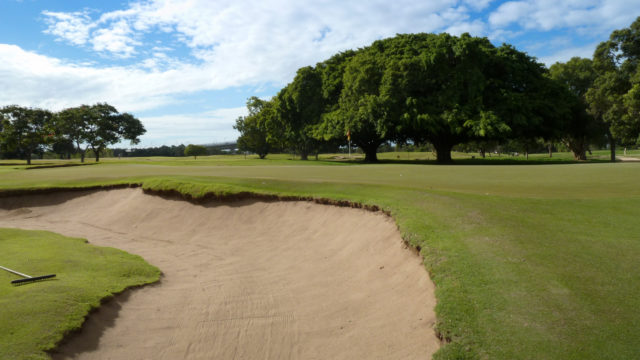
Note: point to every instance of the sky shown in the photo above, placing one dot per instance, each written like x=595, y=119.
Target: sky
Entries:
x=185, y=68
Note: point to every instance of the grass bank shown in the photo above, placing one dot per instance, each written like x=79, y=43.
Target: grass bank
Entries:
x=36, y=316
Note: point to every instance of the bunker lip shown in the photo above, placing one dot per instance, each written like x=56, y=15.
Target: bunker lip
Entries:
x=244, y=279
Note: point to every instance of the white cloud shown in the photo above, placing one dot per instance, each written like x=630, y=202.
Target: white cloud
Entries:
x=257, y=25
x=598, y=17
x=478, y=4
x=566, y=54
x=117, y=40
x=233, y=43
x=73, y=27
x=508, y=13
x=37, y=80
x=201, y=128
x=476, y=28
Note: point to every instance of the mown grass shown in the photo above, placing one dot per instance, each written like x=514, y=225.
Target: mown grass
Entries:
x=530, y=262
x=36, y=316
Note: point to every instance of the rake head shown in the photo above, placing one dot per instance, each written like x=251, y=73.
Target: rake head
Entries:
x=31, y=279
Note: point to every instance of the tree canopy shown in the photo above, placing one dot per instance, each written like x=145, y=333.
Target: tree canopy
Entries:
x=440, y=89
x=615, y=95
x=27, y=130
x=259, y=131
x=24, y=130
x=578, y=128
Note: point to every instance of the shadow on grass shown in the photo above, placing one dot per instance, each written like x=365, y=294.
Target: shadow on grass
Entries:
x=48, y=166
x=486, y=161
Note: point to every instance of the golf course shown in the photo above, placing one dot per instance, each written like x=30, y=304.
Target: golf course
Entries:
x=530, y=260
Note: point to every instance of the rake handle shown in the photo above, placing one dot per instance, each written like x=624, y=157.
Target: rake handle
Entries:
x=15, y=272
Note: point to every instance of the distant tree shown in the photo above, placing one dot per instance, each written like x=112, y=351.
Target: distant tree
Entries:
x=107, y=127
x=72, y=124
x=579, y=128
x=614, y=97
x=195, y=151
x=63, y=147
x=258, y=129
x=98, y=126
x=24, y=130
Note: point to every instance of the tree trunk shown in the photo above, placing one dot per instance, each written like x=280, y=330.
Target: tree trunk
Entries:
x=29, y=158
x=483, y=153
x=370, y=154
x=612, y=145
x=579, y=155
x=578, y=147
x=579, y=151
x=443, y=152
x=262, y=156
x=80, y=151
x=304, y=155
x=550, y=150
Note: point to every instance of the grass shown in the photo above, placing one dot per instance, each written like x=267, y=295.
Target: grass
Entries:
x=530, y=262
x=36, y=316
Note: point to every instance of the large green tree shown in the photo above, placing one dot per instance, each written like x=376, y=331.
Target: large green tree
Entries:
x=24, y=130
x=615, y=95
x=524, y=98
x=259, y=130
x=445, y=88
x=448, y=90
x=331, y=129
x=360, y=106
x=579, y=128
x=440, y=89
x=300, y=106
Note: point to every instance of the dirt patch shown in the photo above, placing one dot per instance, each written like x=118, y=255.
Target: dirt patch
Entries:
x=627, y=158
x=245, y=280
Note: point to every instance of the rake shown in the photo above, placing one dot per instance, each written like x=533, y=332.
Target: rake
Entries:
x=26, y=277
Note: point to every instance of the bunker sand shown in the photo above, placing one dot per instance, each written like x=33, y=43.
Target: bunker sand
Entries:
x=244, y=280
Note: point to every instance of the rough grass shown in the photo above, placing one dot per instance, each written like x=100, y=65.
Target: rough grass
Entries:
x=529, y=261
x=36, y=316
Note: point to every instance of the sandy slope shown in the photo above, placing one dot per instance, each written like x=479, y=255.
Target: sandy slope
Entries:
x=249, y=280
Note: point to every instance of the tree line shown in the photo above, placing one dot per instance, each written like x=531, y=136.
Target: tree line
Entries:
x=446, y=91
x=227, y=148
x=25, y=131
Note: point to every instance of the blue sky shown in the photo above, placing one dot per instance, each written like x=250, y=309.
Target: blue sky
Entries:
x=186, y=68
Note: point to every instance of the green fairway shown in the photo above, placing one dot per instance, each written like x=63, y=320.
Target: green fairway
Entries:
x=530, y=261
x=35, y=316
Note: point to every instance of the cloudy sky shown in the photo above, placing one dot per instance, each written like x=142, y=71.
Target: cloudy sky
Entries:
x=186, y=67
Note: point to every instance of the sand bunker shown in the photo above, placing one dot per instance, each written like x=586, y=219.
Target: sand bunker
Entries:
x=246, y=280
